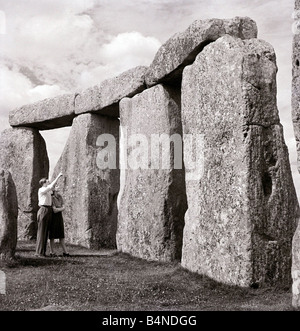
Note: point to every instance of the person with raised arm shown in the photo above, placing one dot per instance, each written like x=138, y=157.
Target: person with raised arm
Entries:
x=44, y=214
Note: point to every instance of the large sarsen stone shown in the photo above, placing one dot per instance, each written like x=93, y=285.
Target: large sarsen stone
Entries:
x=182, y=49
x=51, y=113
x=24, y=154
x=296, y=80
x=296, y=268
x=8, y=215
x=152, y=198
x=296, y=122
x=243, y=209
x=104, y=98
x=88, y=189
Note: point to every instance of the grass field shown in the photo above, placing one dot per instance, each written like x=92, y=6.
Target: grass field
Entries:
x=110, y=281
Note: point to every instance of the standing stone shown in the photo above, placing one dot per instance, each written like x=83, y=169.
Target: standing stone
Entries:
x=296, y=122
x=296, y=78
x=2, y=282
x=296, y=268
x=243, y=209
x=8, y=215
x=24, y=154
x=153, y=199
x=90, y=191
x=182, y=49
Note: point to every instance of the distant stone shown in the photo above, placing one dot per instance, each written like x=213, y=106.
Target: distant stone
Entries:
x=182, y=49
x=296, y=122
x=24, y=154
x=3, y=279
x=88, y=189
x=152, y=196
x=296, y=268
x=47, y=114
x=105, y=97
x=8, y=215
x=243, y=209
x=296, y=82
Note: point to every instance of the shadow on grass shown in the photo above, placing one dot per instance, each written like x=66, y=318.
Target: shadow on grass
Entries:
x=206, y=293
x=120, y=282
x=104, y=256
x=26, y=261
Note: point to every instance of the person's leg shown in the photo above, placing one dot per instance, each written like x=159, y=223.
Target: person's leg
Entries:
x=51, y=233
x=51, y=246
x=63, y=245
x=40, y=242
x=47, y=220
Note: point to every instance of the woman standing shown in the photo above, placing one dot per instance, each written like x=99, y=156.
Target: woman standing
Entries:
x=56, y=228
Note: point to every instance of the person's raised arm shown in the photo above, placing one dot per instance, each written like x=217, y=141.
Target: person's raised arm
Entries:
x=50, y=186
x=55, y=181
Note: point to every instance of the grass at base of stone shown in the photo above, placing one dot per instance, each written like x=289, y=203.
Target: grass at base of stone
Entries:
x=118, y=282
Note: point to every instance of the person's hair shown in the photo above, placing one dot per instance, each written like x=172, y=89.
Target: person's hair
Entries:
x=43, y=181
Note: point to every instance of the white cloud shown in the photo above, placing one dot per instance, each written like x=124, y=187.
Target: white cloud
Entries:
x=55, y=47
x=17, y=90
x=133, y=45
x=13, y=88
x=69, y=50
x=45, y=91
x=122, y=52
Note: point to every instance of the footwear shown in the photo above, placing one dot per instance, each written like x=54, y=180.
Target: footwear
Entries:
x=66, y=255
x=53, y=255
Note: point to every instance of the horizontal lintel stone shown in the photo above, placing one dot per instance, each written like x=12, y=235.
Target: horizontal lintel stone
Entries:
x=104, y=98
x=47, y=114
x=182, y=49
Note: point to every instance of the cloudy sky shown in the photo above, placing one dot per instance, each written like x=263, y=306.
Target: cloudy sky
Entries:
x=51, y=47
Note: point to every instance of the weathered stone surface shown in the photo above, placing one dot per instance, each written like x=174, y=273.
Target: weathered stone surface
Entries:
x=243, y=209
x=2, y=282
x=296, y=79
x=8, y=215
x=90, y=193
x=47, y=114
x=24, y=154
x=296, y=268
x=182, y=49
x=296, y=122
x=153, y=200
x=105, y=97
